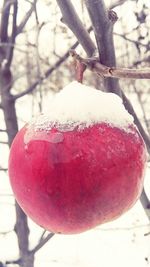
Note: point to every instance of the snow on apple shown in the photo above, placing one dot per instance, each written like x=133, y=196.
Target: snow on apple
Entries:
x=81, y=164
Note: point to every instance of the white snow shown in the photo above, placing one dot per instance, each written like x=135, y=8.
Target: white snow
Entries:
x=81, y=105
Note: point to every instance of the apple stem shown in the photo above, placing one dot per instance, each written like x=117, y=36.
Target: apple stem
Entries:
x=80, y=68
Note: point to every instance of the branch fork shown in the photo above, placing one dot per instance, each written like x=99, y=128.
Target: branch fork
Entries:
x=113, y=72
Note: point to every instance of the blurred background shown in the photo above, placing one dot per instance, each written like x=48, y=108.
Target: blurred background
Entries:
x=34, y=65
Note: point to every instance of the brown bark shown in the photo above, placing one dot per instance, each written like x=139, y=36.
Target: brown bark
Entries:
x=113, y=72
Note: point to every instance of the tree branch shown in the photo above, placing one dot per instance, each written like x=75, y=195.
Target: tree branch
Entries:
x=142, y=108
x=4, y=21
x=145, y=203
x=117, y=3
x=102, y=23
x=28, y=257
x=13, y=35
x=3, y=143
x=47, y=73
x=71, y=18
x=11, y=123
x=130, y=109
x=144, y=59
x=3, y=169
x=41, y=243
x=94, y=65
x=22, y=231
x=137, y=43
x=26, y=18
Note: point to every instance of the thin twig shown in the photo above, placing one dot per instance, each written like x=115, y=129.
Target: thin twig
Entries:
x=144, y=59
x=42, y=236
x=3, y=143
x=142, y=108
x=130, y=109
x=3, y=169
x=32, y=252
x=117, y=3
x=47, y=73
x=137, y=43
x=41, y=243
x=26, y=18
x=145, y=203
x=13, y=35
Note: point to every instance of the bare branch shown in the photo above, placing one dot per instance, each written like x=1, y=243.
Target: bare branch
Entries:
x=22, y=231
x=47, y=73
x=130, y=109
x=6, y=45
x=28, y=257
x=146, y=234
x=117, y=3
x=142, y=108
x=6, y=232
x=21, y=227
x=3, y=143
x=71, y=18
x=121, y=72
x=13, y=35
x=7, y=51
x=42, y=243
x=2, y=131
x=5, y=21
x=137, y=43
x=145, y=203
x=13, y=262
x=144, y=59
x=94, y=65
x=42, y=235
x=26, y=18
x=3, y=169
x=102, y=23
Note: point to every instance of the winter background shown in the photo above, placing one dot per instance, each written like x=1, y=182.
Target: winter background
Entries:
x=125, y=241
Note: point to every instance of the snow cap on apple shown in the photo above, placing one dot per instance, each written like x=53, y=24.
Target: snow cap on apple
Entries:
x=83, y=106
x=80, y=165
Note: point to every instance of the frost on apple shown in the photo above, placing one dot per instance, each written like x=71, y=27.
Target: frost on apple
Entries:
x=81, y=164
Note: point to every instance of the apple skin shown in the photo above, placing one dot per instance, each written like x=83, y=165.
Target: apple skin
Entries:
x=69, y=182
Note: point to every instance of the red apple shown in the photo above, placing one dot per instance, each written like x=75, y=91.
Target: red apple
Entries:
x=70, y=180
